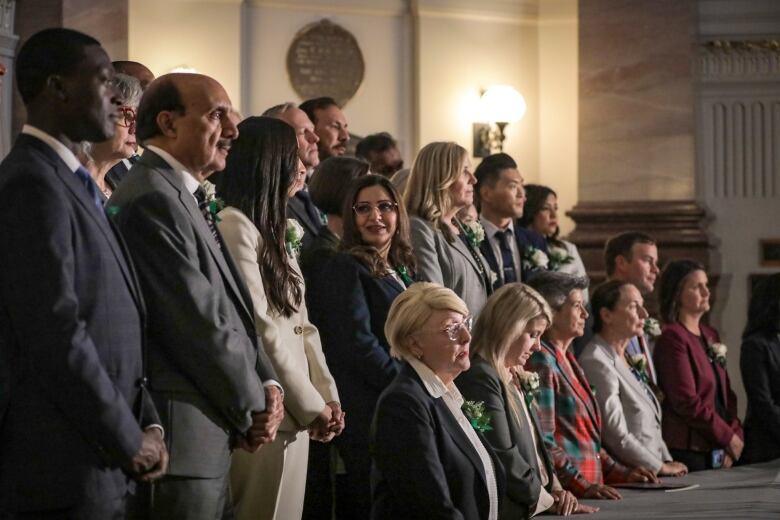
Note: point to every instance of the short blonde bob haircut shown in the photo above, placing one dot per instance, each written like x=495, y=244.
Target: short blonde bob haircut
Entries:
x=412, y=308
x=437, y=167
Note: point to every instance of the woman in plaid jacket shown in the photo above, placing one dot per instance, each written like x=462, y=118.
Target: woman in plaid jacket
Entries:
x=568, y=414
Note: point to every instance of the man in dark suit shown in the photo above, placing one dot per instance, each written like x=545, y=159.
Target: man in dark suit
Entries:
x=211, y=380
x=71, y=315
x=300, y=207
x=500, y=199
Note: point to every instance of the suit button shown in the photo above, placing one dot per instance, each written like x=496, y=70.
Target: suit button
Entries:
x=298, y=330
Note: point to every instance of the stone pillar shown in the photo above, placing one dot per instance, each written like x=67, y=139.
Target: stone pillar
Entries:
x=8, y=42
x=637, y=128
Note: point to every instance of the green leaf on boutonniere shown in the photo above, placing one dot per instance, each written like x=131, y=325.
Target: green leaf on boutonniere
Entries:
x=403, y=272
x=477, y=416
x=112, y=211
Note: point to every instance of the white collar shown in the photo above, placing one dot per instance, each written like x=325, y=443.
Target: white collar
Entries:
x=60, y=149
x=190, y=182
x=491, y=229
x=432, y=383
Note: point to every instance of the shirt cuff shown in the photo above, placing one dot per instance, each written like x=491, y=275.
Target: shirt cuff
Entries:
x=273, y=382
x=158, y=427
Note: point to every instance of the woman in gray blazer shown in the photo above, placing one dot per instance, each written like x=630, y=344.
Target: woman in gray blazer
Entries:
x=441, y=183
x=631, y=412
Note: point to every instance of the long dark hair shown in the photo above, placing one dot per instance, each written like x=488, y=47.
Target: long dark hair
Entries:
x=671, y=284
x=400, y=253
x=535, y=198
x=261, y=167
x=764, y=311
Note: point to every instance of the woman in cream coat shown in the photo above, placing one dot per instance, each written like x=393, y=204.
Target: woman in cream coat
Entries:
x=260, y=175
x=631, y=428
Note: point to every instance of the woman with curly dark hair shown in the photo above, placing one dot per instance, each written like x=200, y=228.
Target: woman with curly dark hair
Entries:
x=760, y=364
x=349, y=299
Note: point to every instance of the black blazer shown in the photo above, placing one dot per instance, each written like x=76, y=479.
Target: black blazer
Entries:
x=296, y=209
x=512, y=442
x=349, y=306
x=424, y=466
x=760, y=365
x=524, y=237
x=206, y=367
x=71, y=333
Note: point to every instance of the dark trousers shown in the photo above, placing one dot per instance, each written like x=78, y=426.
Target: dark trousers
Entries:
x=318, y=500
x=183, y=497
x=353, y=488
x=102, y=510
x=695, y=460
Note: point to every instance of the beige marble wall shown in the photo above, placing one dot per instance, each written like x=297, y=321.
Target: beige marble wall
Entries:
x=636, y=109
x=105, y=20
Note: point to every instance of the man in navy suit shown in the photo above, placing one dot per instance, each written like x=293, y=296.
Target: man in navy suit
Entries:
x=77, y=420
x=500, y=199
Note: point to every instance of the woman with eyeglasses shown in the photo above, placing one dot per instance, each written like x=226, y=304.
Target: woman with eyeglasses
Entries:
x=349, y=298
x=442, y=183
x=101, y=157
x=430, y=458
x=262, y=172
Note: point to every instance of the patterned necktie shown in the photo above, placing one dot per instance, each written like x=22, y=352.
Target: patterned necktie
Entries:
x=509, y=273
x=92, y=188
x=203, y=206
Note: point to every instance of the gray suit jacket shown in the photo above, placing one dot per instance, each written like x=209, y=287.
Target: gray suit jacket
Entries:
x=449, y=264
x=204, y=363
x=631, y=414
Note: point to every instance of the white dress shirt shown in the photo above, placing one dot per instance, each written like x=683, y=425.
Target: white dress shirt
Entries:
x=490, y=233
x=454, y=400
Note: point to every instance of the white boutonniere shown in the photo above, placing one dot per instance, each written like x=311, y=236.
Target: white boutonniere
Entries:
x=652, y=328
x=475, y=233
x=529, y=383
x=215, y=204
x=639, y=363
x=717, y=353
x=558, y=257
x=534, y=259
x=293, y=237
x=477, y=415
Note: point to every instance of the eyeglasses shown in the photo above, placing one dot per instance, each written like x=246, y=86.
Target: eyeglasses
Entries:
x=126, y=118
x=453, y=332
x=364, y=208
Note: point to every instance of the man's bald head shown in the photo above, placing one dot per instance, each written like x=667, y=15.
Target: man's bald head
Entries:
x=138, y=70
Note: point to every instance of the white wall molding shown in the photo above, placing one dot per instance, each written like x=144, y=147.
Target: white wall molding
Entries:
x=343, y=7
x=741, y=61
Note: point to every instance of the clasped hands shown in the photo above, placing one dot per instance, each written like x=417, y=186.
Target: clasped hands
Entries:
x=328, y=424
x=151, y=460
x=264, y=424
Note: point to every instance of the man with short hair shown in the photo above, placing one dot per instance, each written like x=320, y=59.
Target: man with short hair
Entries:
x=381, y=152
x=500, y=199
x=75, y=416
x=631, y=257
x=330, y=125
x=211, y=379
x=300, y=206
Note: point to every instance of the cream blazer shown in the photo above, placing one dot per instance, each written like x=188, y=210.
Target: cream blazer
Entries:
x=631, y=415
x=292, y=344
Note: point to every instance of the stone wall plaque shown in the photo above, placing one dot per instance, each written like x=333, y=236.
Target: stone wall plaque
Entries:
x=324, y=59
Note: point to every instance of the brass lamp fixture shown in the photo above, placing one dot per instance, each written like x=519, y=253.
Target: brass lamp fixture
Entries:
x=499, y=106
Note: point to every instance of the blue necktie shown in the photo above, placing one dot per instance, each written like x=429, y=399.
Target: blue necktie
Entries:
x=510, y=275
x=92, y=188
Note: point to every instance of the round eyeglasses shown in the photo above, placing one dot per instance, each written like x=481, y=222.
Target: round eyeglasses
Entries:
x=126, y=118
x=454, y=331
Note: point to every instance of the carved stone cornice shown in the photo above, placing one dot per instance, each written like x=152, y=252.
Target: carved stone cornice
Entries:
x=739, y=60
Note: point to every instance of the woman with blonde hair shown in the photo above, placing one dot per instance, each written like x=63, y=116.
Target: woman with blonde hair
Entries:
x=429, y=460
x=508, y=330
x=447, y=252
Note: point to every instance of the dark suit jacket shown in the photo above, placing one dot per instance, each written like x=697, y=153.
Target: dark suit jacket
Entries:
x=512, y=442
x=349, y=306
x=686, y=377
x=71, y=332
x=760, y=364
x=525, y=237
x=318, y=252
x=296, y=209
x=116, y=174
x=424, y=466
x=205, y=365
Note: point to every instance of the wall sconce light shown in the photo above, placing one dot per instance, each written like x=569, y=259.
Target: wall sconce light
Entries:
x=186, y=69
x=499, y=106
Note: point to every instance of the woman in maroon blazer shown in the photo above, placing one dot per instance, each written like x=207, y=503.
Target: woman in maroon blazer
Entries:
x=700, y=423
